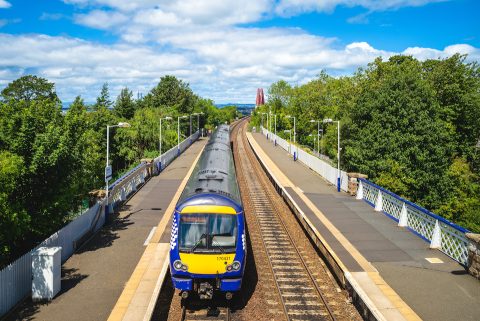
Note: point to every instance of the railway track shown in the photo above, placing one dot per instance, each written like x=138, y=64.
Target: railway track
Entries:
x=284, y=280
x=204, y=313
x=303, y=292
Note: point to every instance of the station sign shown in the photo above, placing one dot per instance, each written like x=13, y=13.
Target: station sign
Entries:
x=108, y=173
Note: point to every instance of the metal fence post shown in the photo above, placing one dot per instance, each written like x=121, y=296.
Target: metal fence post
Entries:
x=360, y=190
x=379, y=202
x=403, y=221
x=436, y=241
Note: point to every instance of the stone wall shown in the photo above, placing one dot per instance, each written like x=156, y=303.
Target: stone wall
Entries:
x=353, y=182
x=474, y=254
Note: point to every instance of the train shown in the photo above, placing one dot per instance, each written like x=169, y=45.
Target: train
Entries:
x=208, y=247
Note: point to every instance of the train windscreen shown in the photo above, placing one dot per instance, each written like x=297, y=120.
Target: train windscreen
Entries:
x=207, y=233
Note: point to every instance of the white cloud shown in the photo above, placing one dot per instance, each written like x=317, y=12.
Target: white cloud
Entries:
x=225, y=65
x=79, y=67
x=199, y=41
x=53, y=16
x=295, y=7
x=5, y=4
x=100, y=19
x=429, y=53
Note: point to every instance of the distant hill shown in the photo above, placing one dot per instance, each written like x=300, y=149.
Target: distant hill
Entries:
x=243, y=108
x=250, y=106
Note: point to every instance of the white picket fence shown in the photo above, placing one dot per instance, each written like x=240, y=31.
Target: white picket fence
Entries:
x=327, y=171
x=16, y=278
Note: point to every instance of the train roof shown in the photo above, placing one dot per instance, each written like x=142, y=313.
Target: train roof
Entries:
x=215, y=170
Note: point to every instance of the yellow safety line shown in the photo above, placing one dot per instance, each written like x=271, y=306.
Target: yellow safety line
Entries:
x=396, y=300
x=128, y=292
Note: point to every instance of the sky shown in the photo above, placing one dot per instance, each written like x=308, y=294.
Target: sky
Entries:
x=224, y=49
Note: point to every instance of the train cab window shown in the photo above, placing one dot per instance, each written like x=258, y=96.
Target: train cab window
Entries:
x=223, y=230
x=207, y=233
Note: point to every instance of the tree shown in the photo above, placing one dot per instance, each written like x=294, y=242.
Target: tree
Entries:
x=103, y=101
x=125, y=106
x=28, y=88
x=171, y=91
x=456, y=85
x=397, y=124
x=279, y=94
x=14, y=219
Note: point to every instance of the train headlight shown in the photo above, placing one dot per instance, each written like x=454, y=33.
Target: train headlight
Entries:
x=178, y=265
x=236, y=265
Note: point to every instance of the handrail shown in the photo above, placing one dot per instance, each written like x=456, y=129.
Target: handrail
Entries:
x=418, y=207
x=442, y=234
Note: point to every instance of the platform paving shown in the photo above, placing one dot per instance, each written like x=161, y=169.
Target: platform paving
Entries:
x=442, y=291
x=95, y=276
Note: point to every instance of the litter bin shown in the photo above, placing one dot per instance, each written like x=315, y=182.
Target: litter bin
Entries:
x=46, y=272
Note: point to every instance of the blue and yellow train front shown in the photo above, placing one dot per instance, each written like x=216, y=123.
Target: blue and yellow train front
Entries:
x=208, y=246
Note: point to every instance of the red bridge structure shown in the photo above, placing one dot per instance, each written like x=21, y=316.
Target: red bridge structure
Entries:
x=260, y=97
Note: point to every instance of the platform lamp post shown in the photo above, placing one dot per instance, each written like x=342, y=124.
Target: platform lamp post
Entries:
x=327, y=121
x=198, y=119
x=318, y=135
x=178, y=132
x=312, y=135
x=294, y=136
x=108, y=168
x=290, y=141
x=160, y=136
x=294, y=129
x=267, y=119
x=275, y=129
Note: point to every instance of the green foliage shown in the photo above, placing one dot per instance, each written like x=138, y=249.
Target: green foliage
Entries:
x=173, y=92
x=462, y=204
x=28, y=88
x=125, y=105
x=14, y=219
x=103, y=101
x=49, y=161
x=411, y=126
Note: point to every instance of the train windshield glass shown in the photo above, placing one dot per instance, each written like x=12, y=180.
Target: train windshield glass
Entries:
x=207, y=233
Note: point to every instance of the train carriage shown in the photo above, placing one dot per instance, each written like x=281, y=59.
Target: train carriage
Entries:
x=208, y=244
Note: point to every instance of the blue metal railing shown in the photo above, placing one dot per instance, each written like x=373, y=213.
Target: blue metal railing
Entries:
x=442, y=234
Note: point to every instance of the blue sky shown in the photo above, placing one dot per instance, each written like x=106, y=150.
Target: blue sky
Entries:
x=224, y=49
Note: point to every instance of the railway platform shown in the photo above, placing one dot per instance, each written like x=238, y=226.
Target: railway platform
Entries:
x=397, y=273
x=114, y=273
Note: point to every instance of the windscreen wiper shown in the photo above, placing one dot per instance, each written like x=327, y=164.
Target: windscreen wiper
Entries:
x=204, y=235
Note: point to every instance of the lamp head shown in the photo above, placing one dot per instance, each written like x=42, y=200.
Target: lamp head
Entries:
x=327, y=120
x=313, y=121
x=124, y=125
x=168, y=118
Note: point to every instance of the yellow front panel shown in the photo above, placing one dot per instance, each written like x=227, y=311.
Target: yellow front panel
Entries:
x=207, y=263
x=213, y=209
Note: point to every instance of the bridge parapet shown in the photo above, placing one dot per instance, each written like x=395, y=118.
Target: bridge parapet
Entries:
x=474, y=254
x=438, y=231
